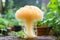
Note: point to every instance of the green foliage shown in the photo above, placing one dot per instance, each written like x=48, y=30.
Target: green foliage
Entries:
x=53, y=4
x=8, y=20
x=17, y=34
x=3, y=23
x=10, y=3
x=53, y=12
x=53, y=15
x=2, y=27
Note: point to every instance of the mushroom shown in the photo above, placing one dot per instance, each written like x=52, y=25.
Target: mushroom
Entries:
x=29, y=14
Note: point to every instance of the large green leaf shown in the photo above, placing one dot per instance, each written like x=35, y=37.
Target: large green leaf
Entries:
x=52, y=4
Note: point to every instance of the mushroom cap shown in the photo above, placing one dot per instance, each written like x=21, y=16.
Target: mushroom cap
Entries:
x=29, y=13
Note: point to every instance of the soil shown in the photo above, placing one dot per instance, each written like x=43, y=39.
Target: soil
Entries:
x=38, y=38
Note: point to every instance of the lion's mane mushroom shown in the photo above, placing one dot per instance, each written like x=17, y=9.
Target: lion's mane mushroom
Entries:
x=29, y=14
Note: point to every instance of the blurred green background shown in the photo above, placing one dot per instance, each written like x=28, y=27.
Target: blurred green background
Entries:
x=50, y=8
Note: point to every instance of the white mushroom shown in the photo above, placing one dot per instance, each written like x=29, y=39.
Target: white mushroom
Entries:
x=29, y=14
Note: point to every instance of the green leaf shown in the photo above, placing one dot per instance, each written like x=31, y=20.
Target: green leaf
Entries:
x=2, y=27
x=52, y=4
